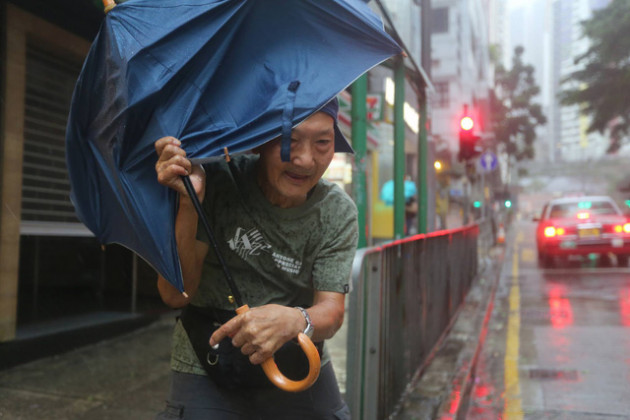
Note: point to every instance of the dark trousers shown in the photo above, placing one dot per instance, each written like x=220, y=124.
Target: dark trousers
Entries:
x=195, y=397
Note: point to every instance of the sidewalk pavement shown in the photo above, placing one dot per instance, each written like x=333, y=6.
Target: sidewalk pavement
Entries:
x=124, y=378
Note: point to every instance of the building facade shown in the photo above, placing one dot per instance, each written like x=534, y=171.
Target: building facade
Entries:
x=52, y=270
x=460, y=67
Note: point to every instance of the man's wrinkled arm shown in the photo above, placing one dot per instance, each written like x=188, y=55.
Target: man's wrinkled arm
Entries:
x=326, y=314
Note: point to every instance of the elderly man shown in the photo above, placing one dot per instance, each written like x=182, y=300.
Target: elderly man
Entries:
x=289, y=238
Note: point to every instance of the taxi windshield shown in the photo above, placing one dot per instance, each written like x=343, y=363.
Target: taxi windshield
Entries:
x=565, y=210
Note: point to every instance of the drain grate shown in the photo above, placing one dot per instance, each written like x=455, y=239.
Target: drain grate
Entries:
x=553, y=374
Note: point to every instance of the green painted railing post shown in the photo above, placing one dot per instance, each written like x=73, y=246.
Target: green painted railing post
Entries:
x=359, y=144
x=399, y=148
x=423, y=167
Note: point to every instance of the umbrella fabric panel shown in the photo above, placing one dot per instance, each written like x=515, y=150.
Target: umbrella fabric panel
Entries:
x=214, y=74
x=229, y=82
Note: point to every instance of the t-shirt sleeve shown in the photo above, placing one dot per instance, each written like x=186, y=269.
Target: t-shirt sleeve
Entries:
x=333, y=266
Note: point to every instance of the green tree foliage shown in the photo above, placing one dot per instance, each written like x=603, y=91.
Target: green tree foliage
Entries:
x=602, y=83
x=514, y=115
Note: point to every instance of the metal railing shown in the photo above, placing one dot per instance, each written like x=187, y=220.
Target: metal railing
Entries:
x=405, y=294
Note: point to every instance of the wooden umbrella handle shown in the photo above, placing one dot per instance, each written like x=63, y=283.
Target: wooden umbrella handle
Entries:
x=109, y=5
x=278, y=379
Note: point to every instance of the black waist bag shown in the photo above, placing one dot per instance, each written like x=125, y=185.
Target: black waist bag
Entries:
x=227, y=366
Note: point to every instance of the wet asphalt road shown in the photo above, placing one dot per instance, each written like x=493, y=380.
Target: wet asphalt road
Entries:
x=558, y=342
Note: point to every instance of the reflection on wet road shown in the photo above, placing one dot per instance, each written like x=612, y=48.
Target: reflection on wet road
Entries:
x=558, y=345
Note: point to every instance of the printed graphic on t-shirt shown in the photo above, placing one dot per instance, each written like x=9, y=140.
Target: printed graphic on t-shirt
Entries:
x=251, y=243
x=288, y=264
x=248, y=243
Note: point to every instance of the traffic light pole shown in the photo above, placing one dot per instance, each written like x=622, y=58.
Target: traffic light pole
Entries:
x=359, y=144
x=483, y=195
x=424, y=166
x=466, y=213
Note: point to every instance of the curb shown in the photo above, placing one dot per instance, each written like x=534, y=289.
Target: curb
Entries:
x=441, y=389
x=455, y=405
x=20, y=351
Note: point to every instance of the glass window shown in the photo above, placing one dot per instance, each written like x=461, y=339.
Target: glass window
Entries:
x=442, y=95
x=439, y=20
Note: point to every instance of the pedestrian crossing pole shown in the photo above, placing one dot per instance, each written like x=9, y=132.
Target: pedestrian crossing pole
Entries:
x=399, y=148
x=423, y=167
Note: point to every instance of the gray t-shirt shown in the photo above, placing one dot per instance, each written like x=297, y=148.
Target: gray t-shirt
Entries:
x=275, y=255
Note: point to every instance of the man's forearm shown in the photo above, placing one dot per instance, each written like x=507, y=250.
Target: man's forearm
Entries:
x=186, y=237
x=190, y=256
x=327, y=314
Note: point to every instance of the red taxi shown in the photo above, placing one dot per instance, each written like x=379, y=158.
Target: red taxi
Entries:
x=581, y=226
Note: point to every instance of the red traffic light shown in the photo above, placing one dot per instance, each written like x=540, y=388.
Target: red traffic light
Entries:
x=467, y=139
x=466, y=123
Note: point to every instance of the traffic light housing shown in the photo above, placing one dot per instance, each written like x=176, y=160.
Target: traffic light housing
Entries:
x=467, y=139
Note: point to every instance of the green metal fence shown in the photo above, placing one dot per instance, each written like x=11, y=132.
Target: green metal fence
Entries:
x=405, y=294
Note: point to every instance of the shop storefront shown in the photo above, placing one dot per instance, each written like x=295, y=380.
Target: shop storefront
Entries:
x=52, y=270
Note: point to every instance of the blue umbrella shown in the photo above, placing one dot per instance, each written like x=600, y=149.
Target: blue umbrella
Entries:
x=387, y=191
x=212, y=73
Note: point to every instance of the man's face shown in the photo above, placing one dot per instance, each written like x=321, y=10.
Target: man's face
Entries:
x=286, y=184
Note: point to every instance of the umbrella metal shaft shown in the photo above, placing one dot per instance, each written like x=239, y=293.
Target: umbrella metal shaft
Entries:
x=206, y=225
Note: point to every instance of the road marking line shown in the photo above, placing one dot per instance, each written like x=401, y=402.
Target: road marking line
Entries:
x=513, y=407
x=528, y=255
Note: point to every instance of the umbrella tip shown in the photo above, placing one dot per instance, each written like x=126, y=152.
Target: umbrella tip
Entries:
x=227, y=155
x=185, y=295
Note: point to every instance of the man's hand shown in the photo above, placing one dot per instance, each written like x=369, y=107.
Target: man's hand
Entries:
x=172, y=164
x=261, y=331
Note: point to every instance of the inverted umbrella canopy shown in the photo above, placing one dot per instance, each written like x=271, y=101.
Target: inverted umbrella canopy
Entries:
x=214, y=74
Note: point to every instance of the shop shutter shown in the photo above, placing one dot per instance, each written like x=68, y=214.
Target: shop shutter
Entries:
x=50, y=81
